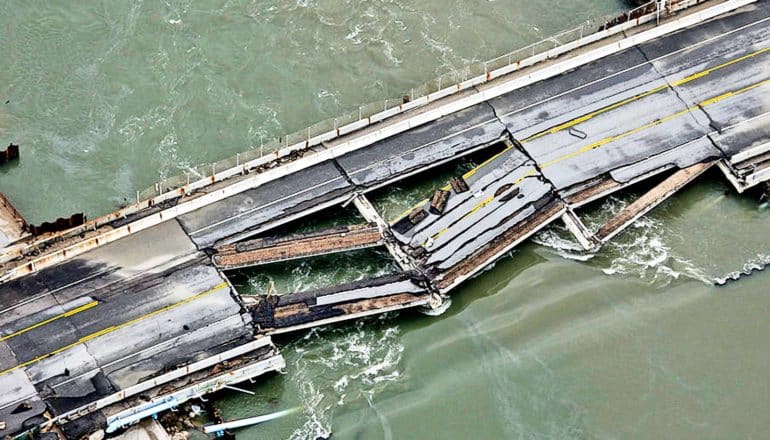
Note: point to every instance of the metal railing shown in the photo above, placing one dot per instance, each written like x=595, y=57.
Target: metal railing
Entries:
x=295, y=155
x=444, y=85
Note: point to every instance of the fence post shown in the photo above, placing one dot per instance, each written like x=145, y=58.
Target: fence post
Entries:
x=237, y=159
x=660, y=4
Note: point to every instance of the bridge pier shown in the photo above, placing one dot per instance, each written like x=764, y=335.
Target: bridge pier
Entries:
x=579, y=230
x=589, y=123
x=369, y=212
x=650, y=200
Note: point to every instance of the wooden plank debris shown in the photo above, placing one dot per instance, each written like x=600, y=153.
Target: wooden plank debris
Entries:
x=438, y=201
x=458, y=184
x=272, y=250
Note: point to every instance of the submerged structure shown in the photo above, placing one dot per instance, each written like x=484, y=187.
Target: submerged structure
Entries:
x=118, y=318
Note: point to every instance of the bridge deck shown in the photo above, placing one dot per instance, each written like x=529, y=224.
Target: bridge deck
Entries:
x=111, y=318
x=132, y=309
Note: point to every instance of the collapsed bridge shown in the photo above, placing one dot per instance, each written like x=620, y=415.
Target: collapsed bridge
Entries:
x=132, y=313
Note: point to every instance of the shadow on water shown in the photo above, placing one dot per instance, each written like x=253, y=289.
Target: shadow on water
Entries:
x=326, y=218
x=10, y=166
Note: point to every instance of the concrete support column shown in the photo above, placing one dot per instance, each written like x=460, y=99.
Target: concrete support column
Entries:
x=371, y=215
x=579, y=230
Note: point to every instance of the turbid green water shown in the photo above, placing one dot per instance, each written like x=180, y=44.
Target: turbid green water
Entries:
x=632, y=342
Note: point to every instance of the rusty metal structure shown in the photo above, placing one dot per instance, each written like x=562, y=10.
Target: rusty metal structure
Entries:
x=637, y=100
x=9, y=154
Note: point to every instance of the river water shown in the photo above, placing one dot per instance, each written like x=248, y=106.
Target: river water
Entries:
x=631, y=342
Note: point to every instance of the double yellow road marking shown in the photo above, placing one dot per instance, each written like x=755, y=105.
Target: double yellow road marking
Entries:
x=705, y=103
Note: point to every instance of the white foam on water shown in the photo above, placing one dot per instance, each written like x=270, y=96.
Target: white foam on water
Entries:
x=353, y=34
x=757, y=263
x=445, y=305
x=557, y=238
x=640, y=250
x=315, y=273
x=335, y=366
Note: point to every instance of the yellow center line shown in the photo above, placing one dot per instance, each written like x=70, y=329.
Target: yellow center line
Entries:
x=114, y=328
x=483, y=203
x=486, y=162
x=609, y=139
x=447, y=187
x=610, y=107
x=51, y=319
x=593, y=114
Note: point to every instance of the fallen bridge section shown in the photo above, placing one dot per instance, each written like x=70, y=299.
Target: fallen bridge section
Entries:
x=296, y=311
x=172, y=388
x=112, y=318
x=292, y=247
x=500, y=203
x=747, y=150
x=210, y=375
x=650, y=200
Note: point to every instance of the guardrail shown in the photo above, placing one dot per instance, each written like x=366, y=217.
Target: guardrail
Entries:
x=445, y=85
x=166, y=197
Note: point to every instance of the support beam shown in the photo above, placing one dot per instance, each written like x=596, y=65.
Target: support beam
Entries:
x=371, y=215
x=651, y=199
x=579, y=230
